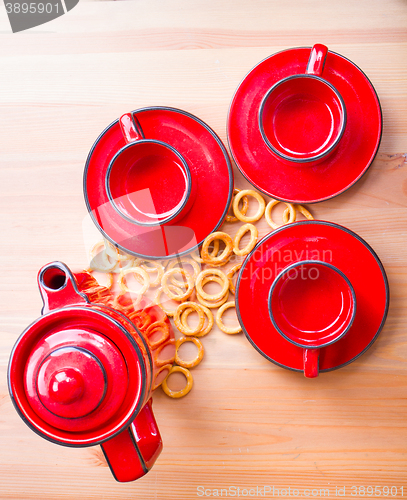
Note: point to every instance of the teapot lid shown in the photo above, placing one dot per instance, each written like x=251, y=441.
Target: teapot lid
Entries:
x=76, y=375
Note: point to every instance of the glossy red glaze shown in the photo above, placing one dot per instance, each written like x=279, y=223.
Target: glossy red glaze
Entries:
x=130, y=128
x=58, y=333
x=70, y=383
x=66, y=385
x=302, y=119
x=321, y=241
x=336, y=173
x=312, y=304
x=147, y=435
x=311, y=363
x=211, y=180
x=148, y=181
x=316, y=61
x=83, y=373
x=141, y=437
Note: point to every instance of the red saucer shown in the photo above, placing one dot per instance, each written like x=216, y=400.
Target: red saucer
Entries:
x=305, y=184
x=312, y=240
x=210, y=167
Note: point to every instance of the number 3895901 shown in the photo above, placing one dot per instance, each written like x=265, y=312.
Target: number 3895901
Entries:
x=377, y=491
x=32, y=8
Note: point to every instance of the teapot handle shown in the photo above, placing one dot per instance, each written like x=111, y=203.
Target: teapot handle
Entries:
x=132, y=453
x=58, y=287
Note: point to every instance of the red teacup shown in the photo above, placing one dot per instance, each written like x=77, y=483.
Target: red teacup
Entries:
x=312, y=304
x=148, y=181
x=302, y=117
x=83, y=373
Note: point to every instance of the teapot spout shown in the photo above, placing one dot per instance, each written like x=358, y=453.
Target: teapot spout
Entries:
x=58, y=287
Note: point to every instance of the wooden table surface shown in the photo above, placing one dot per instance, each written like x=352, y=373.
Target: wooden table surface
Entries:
x=247, y=422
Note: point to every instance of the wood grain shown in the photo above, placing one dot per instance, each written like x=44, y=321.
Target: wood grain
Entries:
x=246, y=423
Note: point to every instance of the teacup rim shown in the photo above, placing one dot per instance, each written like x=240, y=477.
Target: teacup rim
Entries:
x=310, y=159
x=160, y=222
x=318, y=262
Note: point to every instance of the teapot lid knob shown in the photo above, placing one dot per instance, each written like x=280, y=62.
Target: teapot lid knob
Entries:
x=66, y=386
x=71, y=382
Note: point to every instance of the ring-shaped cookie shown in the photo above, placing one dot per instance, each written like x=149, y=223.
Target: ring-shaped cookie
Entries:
x=123, y=266
x=157, y=352
x=224, y=255
x=227, y=329
x=308, y=215
x=156, y=267
x=186, y=330
x=260, y=211
x=207, y=273
x=189, y=282
x=140, y=272
x=208, y=303
x=273, y=203
x=230, y=275
x=185, y=390
x=243, y=210
x=208, y=314
x=164, y=367
x=195, y=266
x=105, y=266
x=168, y=312
x=196, y=256
x=254, y=234
x=195, y=361
x=158, y=326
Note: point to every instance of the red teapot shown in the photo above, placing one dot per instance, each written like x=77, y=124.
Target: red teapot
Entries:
x=83, y=373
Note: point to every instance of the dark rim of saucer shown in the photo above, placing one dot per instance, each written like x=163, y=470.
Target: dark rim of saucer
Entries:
x=303, y=201
x=228, y=163
x=332, y=224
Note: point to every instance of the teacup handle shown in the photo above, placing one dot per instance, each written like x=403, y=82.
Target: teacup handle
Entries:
x=311, y=363
x=132, y=453
x=131, y=128
x=316, y=61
